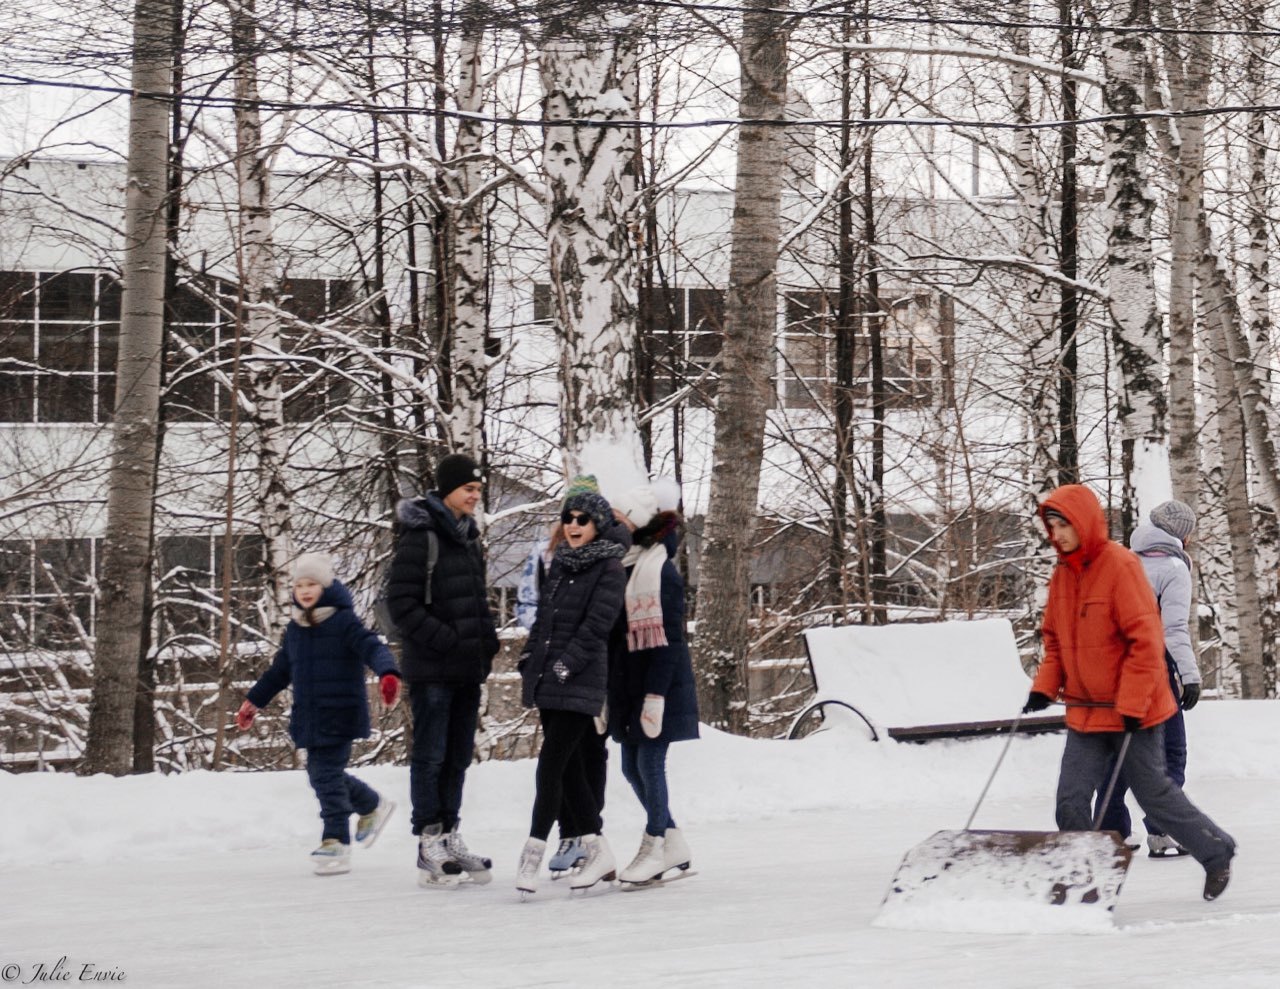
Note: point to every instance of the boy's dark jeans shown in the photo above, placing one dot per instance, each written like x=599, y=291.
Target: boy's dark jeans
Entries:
x=444, y=738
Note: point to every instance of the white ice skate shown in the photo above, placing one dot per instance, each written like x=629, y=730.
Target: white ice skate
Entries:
x=530, y=863
x=331, y=858
x=435, y=869
x=649, y=863
x=475, y=866
x=599, y=864
x=370, y=825
x=675, y=851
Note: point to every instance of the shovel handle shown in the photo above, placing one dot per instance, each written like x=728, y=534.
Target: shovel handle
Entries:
x=1013, y=728
x=1111, y=783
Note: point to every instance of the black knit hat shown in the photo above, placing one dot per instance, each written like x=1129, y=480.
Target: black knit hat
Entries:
x=1053, y=513
x=594, y=505
x=454, y=471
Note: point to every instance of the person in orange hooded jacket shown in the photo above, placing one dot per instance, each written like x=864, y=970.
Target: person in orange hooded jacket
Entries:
x=1104, y=658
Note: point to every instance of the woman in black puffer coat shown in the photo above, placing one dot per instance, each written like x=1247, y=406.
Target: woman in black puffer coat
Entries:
x=565, y=672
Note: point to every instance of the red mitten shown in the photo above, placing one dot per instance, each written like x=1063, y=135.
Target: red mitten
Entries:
x=389, y=685
x=245, y=716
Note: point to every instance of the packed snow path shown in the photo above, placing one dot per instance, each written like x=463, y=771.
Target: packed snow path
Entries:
x=203, y=879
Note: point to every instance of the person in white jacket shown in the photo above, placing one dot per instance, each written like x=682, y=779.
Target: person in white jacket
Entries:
x=1161, y=544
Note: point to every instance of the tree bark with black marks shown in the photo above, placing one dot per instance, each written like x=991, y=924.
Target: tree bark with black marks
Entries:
x=126, y=548
x=743, y=399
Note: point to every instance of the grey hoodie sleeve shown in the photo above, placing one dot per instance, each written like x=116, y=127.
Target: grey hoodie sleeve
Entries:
x=1175, y=609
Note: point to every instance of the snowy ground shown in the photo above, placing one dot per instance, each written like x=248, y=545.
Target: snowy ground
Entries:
x=203, y=879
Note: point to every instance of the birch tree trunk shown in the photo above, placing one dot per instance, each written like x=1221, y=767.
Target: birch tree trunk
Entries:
x=259, y=296
x=724, y=579
x=1257, y=194
x=1188, y=87
x=1068, y=252
x=1039, y=307
x=470, y=273
x=1220, y=303
x=132, y=479
x=1245, y=600
x=591, y=201
x=1142, y=405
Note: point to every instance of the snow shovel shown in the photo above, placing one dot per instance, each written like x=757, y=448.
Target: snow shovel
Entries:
x=1010, y=881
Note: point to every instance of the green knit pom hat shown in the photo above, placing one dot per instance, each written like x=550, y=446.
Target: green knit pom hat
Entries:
x=582, y=484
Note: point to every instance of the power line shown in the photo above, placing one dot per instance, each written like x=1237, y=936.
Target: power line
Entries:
x=349, y=106
x=827, y=12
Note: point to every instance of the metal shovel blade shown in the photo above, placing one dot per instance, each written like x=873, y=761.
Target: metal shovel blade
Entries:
x=1008, y=881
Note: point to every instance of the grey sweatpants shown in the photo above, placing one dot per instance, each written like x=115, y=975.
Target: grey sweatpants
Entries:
x=1084, y=763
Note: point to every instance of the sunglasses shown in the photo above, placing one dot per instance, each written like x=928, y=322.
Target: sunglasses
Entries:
x=575, y=518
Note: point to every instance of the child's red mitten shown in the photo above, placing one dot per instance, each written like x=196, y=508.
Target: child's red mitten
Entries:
x=245, y=716
x=389, y=685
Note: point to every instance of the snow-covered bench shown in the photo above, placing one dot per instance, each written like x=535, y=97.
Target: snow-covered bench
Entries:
x=914, y=682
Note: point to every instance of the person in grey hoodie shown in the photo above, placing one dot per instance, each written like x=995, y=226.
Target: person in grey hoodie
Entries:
x=1161, y=546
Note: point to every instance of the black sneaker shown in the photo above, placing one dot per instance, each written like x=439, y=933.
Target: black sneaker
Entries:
x=1215, y=881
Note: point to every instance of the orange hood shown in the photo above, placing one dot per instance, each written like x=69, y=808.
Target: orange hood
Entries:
x=1079, y=506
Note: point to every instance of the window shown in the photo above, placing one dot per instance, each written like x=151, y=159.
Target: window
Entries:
x=189, y=569
x=46, y=593
x=809, y=353
x=310, y=388
x=201, y=340
x=58, y=340
x=681, y=342
x=201, y=352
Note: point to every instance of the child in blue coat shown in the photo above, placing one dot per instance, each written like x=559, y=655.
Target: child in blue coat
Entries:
x=323, y=655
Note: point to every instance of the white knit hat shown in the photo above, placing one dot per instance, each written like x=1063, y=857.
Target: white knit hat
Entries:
x=638, y=505
x=314, y=566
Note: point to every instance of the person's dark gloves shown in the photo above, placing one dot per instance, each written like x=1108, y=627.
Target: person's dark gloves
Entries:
x=1190, y=695
x=1131, y=723
x=1036, y=701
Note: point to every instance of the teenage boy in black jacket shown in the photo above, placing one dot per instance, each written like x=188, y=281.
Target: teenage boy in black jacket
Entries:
x=448, y=647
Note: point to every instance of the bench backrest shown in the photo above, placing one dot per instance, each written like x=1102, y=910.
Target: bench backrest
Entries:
x=921, y=674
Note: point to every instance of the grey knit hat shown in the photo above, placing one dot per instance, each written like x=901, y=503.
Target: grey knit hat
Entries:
x=1175, y=518
x=314, y=566
x=593, y=505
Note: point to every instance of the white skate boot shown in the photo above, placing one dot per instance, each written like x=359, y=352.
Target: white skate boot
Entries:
x=649, y=863
x=475, y=866
x=434, y=865
x=599, y=864
x=332, y=858
x=675, y=851
x=530, y=863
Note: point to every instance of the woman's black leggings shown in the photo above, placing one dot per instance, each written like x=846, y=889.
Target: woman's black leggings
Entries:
x=563, y=784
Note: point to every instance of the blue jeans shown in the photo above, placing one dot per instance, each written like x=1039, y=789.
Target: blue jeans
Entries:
x=340, y=794
x=645, y=767
x=444, y=739
x=1116, y=817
